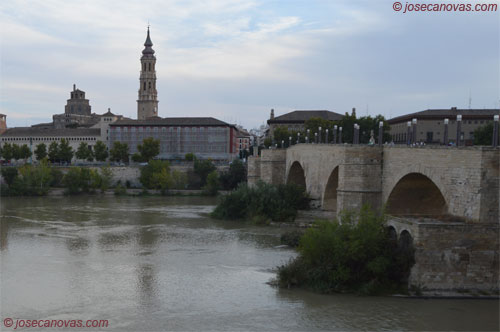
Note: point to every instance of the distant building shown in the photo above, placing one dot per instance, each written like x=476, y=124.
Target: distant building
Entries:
x=32, y=136
x=205, y=137
x=294, y=121
x=77, y=112
x=243, y=139
x=147, y=104
x=430, y=124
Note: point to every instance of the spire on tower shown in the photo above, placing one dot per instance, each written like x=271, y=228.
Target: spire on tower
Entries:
x=148, y=43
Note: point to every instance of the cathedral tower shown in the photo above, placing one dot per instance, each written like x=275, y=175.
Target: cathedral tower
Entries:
x=147, y=104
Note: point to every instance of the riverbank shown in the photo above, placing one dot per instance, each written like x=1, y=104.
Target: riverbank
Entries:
x=135, y=192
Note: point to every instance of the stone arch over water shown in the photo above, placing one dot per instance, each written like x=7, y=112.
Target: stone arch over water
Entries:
x=296, y=175
x=416, y=195
x=330, y=195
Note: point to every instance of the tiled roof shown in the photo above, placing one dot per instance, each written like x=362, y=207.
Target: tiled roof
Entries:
x=48, y=132
x=447, y=113
x=303, y=116
x=157, y=121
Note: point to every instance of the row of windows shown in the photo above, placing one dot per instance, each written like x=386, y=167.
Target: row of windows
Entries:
x=171, y=129
x=147, y=66
x=48, y=138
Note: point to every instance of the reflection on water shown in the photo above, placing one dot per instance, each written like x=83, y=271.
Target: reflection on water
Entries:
x=156, y=263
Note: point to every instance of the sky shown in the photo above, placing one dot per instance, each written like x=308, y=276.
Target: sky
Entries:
x=235, y=60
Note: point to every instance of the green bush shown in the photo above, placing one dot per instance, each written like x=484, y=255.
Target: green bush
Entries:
x=355, y=255
x=31, y=180
x=278, y=203
x=212, y=185
x=156, y=175
x=203, y=168
x=120, y=190
x=9, y=174
x=179, y=180
x=236, y=174
x=57, y=177
x=190, y=156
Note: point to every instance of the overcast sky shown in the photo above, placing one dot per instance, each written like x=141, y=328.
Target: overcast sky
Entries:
x=235, y=60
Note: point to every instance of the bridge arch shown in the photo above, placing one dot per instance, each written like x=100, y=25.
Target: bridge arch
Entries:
x=330, y=193
x=296, y=174
x=415, y=194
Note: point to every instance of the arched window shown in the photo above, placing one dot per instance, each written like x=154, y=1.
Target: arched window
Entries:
x=144, y=86
x=144, y=69
x=149, y=66
x=150, y=85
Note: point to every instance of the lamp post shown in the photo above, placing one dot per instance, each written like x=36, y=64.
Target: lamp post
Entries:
x=319, y=136
x=282, y=143
x=459, y=130
x=316, y=138
x=326, y=136
x=380, y=132
x=298, y=138
x=307, y=136
x=445, y=139
x=335, y=134
x=355, y=139
x=414, y=131
x=408, y=133
x=340, y=135
x=290, y=141
x=495, y=131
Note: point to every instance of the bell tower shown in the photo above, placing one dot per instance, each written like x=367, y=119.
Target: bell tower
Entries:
x=147, y=104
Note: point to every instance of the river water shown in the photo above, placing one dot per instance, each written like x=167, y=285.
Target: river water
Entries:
x=159, y=263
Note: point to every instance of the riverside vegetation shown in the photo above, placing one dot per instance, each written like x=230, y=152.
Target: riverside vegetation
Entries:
x=351, y=254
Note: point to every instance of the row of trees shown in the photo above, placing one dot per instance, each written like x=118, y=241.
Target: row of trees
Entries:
x=366, y=124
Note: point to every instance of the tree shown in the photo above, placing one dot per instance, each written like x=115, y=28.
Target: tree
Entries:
x=83, y=151
x=7, y=152
x=212, y=185
x=41, y=151
x=156, y=175
x=100, y=151
x=149, y=149
x=54, y=152
x=237, y=173
x=65, y=151
x=16, y=152
x=9, y=174
x=484, y=135
x=25, y=152
x=203, y=168
x=119, y=152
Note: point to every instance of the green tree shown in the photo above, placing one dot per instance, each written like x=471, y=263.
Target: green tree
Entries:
x=24, y=152
x=149, y=149
x=65, y=151
x=7, y=152
x=100, y=151
x=41, y=151
x=212, y=185
x=9, y=174
x=36, y=179
x=484, y=135
x=83, y=151
x=54, y=152
x=179, y=179
x=190, y=156
x=149, y=173
x=236, y=174
x=202, y=168
x=162, y=180
x=106, y=178
x=16, y=152
x=72, y=180
x=119, y=152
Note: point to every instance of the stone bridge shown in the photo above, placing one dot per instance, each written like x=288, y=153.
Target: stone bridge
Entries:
x=442, y=201
x=428, y=181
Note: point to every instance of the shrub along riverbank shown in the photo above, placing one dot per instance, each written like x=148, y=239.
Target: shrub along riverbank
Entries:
x=355, y=255
x=262, y=203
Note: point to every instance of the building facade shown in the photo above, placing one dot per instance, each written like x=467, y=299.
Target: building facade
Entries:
x=147, y=104
x=430, y=125
x=295, y=121
x=32, y=136
x=207, y=138
x=77, y=112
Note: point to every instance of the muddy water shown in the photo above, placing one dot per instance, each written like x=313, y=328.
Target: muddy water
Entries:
x=153, y=264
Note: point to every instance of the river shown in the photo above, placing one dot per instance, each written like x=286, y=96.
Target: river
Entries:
x=160, y=263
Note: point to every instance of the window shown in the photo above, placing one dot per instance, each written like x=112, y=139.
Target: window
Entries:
x=149, y=85
x=149, y=65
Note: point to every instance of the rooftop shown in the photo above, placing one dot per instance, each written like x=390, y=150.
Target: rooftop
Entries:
x=447, y=113
x=157, y=121
x=304, y=115
x=49, y=132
